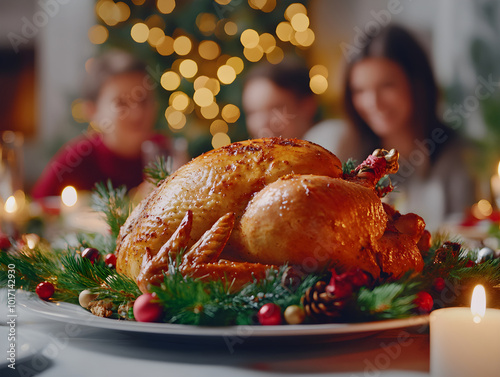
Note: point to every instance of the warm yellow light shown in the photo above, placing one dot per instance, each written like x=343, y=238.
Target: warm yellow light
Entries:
x=226, y=74
x=230, y=113
x=236, y=63
x=230, y=28
x=155, y=20
x=275, y=56
x=210, y=111
x=203, y=97
x=267, y=42
x=179, y=101
x=263, y=5
x=155, y=36
x=284, y=31
x=188, y=68
x=305, y=38
x=140, y=32
x=206, y=23
x=170, y=80
x=223, y=2
x=253, y=54
x=478, y=303
x=218, y=126
x=123, y=11
x=318, y=69
x=485, y=208
x=31, y=239
x=294, y=9
x=78, y=111
x=209, y=50
x=498, y=169
x=249, y=38
x=213, y=85
x=220, y=139
x=200, y=82
x=300, y=22
x=318, y=84
x=176, y=120
x=69, y=196
x=98, y=34
x=182, y=45
x=10, y=205
x=165, y=6
x=165, y=46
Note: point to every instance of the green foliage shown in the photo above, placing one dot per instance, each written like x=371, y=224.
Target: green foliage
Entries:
x=113, y=203
x=349, y=166
x=158, y=170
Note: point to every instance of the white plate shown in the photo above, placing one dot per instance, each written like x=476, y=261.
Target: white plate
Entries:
x=70, y=313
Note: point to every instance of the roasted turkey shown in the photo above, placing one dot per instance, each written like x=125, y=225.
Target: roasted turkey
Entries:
x=253, y=205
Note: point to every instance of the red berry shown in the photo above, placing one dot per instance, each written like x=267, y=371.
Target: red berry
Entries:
x=470, y=263
x=91, y=254
x=45, y=290
x=424, y=302
x=439, y=284
x=4, y=242
x=269, y=315
x=146, y=309
x=110, y=260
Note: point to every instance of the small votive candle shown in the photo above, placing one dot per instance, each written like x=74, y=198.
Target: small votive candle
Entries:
x=465, y=341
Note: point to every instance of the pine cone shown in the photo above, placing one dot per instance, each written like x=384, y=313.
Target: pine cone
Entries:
x=320, y=305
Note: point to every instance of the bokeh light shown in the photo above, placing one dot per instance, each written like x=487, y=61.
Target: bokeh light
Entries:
x=318, y=84
x=165, y=46
x=300, y=22
x=230, y=113
x=140, y=32
x=210, y=111
x=249, y=38
x=237, y=64
x=209, y=50
x=230, y=28
x=294, y=9
x=275, y=56
x=203, y=97
x=220, y=139
x=165, y=6
x=69, y=196
x=170, y=80
x=253, y=54
x=98, y=34
x=179, y=101
x=206, y=23
x=182, y=45
x=284, y=31
x=188, y=68
x=226, y=74
x=155, y=36
x=219, y=126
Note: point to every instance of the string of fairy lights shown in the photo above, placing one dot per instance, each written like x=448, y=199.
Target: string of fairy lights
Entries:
x=204, y=58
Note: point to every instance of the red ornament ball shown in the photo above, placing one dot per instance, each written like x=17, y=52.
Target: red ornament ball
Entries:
x=439, y=284
x=269, y=315
x=110, y=260
x=424, y=302
x=45, y=290
x=146, y=309
x=91, y=254
x=4, y=241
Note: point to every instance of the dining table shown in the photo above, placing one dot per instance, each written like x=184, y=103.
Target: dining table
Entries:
x=48, y=342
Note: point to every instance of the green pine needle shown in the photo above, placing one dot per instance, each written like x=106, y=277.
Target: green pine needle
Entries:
x=113, y=203
x=158, y=170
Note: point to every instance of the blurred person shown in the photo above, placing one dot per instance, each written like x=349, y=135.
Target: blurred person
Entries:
x=121, y=105
x=278, y=101
x=390, y=99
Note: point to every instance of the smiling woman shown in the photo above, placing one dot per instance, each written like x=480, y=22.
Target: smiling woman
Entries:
x=391, y=98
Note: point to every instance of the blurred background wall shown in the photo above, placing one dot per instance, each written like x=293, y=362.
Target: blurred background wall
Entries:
x=44, y=46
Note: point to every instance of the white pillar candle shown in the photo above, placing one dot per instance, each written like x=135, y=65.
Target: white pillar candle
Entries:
x=465, y=341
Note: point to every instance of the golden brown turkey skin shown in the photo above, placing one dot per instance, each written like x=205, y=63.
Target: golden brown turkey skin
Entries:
x=311, y=220
x=215, y=183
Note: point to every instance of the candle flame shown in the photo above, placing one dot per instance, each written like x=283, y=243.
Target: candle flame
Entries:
x=69, y=196
x=478, y=303
x=11, y=204
x=498, y=169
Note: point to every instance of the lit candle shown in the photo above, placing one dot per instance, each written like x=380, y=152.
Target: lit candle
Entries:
x=466, y=341
x=69, y=196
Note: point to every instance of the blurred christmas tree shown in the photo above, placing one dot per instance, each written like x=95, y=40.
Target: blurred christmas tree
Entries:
x=197, y=51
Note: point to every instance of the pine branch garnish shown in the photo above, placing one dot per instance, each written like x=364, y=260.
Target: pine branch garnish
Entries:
x=349, y=166
x=390, y=300
x=158, y=170
x=113, y=203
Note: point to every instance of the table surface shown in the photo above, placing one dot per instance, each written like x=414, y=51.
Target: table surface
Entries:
x=45, y=347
